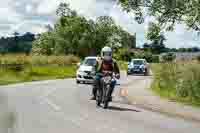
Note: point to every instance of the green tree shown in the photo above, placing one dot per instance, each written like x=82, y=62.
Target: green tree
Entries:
x=15, y=47
x=107, y=33
x=44, y=45
x=153, y=32
x=74, y=34
x=167, y=12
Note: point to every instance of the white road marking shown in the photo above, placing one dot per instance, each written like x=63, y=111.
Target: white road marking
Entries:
x=49, y=92
x=53, y=105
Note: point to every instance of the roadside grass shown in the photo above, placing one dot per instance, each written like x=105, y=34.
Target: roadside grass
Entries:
x=178, y=82
x=123, y=65
x=13, y=59
x=29, y=73
x=16, y=68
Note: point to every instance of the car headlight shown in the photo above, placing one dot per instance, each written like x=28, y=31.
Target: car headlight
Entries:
x=142, y=67
x=130, y=66
x=80, y=71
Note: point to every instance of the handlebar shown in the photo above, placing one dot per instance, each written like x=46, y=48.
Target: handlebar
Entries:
x=109, y=73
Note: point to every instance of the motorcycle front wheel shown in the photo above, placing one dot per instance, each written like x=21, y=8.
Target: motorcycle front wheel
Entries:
x=98, y=98
x=105, y=105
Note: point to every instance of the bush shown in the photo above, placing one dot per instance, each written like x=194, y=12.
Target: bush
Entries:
x=150, y=57
x=180, y=81
x=123, y=65
x=198, y=58
x=155, y=59
x=126, y=55
x=123, y=54
x=189, y=81
x=169, y=57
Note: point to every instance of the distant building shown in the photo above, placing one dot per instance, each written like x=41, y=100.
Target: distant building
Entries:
x=132, y=40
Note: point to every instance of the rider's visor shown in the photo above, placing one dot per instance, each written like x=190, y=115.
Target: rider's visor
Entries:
x=107, y=54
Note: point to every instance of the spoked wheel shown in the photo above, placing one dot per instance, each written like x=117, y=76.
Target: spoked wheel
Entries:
x=106, y=97
x=98, y=98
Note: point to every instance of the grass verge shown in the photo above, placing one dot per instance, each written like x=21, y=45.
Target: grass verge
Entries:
x=178, y=82
x=123, y=65
x=36, y=73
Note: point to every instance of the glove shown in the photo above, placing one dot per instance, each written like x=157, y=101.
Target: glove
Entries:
x=117, y=76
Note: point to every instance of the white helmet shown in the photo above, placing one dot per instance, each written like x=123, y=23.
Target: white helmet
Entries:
x=106, y=53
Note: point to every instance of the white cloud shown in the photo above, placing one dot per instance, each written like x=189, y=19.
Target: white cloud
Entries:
x=181, y=37
x=35, y=28
x=22, y=15
x=29, y=8
x=87, y=7
x=9, y=16
x=47, y=7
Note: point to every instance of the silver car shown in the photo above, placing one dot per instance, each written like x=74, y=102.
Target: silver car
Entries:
x=139, y=66
x=84, y=72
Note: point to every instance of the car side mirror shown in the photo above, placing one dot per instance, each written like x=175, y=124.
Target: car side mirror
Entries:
x=78, y=64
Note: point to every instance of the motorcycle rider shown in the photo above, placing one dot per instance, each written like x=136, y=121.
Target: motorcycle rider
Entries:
x=105, y=63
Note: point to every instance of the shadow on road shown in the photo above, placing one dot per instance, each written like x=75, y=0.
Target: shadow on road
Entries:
x=123, y=109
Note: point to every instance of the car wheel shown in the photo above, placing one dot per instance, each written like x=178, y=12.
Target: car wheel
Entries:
x=78, y=82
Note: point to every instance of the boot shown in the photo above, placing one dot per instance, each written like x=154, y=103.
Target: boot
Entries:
x=93, y=98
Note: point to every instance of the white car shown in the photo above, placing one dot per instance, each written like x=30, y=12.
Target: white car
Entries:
x=138, y=66
x=84, y=72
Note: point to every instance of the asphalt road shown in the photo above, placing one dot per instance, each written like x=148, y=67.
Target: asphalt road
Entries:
x=62, y=106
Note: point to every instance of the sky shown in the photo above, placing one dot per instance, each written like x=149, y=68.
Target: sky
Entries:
x=32, y=16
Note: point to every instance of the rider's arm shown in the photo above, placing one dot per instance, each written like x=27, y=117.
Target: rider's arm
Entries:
x=98, y=66
x=116, y=69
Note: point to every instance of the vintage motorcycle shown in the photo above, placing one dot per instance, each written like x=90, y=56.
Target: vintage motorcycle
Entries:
x=103, y=93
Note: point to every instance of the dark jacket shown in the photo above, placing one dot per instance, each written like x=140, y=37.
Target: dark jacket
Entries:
x=114, y=66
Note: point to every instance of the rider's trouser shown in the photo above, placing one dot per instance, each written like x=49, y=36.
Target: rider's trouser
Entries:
x=97, y=85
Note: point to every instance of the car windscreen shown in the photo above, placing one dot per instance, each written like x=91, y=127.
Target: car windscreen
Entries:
x=89, y=62
x=138, y=62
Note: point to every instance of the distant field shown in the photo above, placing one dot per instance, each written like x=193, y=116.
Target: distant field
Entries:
x=9, y=76
x=178, y=81
x=13, y=59
x=22, y=68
